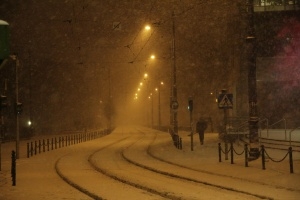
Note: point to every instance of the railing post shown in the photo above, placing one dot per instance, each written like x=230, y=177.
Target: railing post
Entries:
x=51, y=143
x=35, y=147
x=27, y=149
x=180, y=143
x=246, y=155
x=13, y=167
x=31, y=148
x=44, y=145
x=263, y=157
x=48, y=145
x=291, y=160
x=55, y=143
x=219, y=150
x=39, y=146
x=231, y=152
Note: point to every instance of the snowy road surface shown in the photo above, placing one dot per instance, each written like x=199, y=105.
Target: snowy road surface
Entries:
x=141, y=163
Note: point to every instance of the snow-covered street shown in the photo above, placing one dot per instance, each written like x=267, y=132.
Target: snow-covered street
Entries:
x=141, y=163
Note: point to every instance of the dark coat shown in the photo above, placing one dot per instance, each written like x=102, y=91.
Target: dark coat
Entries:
x=201, y=126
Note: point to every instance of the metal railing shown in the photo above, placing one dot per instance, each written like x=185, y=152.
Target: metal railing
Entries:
x=290, y=134
x=260, y=122
x=283, y=119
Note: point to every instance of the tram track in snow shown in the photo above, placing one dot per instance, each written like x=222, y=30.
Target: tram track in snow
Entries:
x=131, y=156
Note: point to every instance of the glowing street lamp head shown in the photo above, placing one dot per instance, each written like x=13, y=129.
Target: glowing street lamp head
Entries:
x=152, y=57
x=145, y=75
x=147, y=27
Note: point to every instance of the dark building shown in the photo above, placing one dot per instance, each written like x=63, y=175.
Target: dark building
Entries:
x=278, y=61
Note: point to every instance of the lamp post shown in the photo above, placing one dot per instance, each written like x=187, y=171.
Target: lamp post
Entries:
x=15, y=58
x=173, y=99
x=252, y=94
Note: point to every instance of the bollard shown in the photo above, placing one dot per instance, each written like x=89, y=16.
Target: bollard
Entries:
x=59, y=141
x=55, y=143
x=44, y=145
x=40, y=146
x=220, y=151
x=263, y=157
x=31, y=148
x=180, y=143
x=13, y=167
x=246, y=155
x=27, y=149
x=51, y=143
x=35, y=147
x=48, y=145
x=231, y=153
x=291, y=160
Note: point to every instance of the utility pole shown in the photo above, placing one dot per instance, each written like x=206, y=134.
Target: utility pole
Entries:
x=252, y=94
x=17, y=63
x=174, y=102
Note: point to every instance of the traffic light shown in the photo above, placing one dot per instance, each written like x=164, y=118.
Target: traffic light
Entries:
x=190, y=106
x=19, y=108
x=3, y=101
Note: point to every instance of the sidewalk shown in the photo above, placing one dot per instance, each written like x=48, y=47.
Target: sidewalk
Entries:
x=205, y=158
x=45, y=184
x=36, y=178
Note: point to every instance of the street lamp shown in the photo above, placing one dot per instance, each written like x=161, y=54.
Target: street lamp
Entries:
x=173, y=90
x=17, y=63
x=147, y=27
x=252, y=94
x=173, y=99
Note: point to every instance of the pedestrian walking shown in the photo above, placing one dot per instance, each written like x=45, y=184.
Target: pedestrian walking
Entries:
x=200, y=128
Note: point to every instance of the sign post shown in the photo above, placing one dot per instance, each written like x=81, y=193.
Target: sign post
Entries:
x=225, y=102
